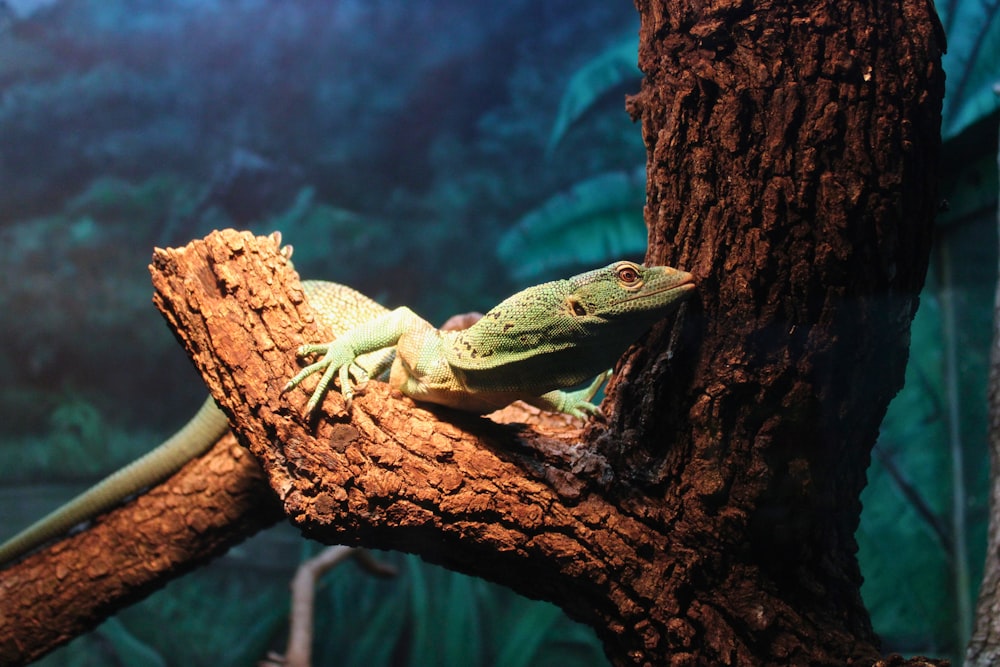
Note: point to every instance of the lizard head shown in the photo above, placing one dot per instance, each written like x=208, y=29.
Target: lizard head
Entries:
x=626, y=291
x=602, y=312
x=564, y=332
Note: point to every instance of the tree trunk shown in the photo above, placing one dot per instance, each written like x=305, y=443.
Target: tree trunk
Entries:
x=984, y=645
x=792, y=152
x=710, y=521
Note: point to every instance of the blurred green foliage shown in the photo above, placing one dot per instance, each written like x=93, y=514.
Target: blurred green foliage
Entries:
x=233, y=616
x=596, y=221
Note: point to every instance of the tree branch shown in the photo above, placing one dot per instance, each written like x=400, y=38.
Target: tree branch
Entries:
x=212, y=503
x=237, y=306
x=509, y=504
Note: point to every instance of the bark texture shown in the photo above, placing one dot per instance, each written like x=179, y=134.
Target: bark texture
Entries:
x=214, y=502
x=984, y=645
x=792, y=152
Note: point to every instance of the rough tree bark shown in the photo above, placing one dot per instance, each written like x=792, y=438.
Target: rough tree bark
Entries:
x=710, y=521
x=214, y=502
x=984, y=645
x=792, y=152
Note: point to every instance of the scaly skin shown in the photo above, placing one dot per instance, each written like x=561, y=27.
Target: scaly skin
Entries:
x=529, y=347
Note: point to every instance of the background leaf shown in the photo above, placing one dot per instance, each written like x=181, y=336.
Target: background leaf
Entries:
x=972, y=62
x=603, y=73
x=593, y=222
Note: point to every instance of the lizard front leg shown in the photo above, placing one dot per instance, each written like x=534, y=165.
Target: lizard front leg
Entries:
x=340, y=356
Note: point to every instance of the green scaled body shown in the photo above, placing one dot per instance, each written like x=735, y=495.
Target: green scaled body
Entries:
x=531, y=347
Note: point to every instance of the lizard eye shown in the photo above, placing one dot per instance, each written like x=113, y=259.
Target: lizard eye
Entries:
x=628, y=275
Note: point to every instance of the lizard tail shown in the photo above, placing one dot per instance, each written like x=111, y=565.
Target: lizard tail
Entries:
x=195, y=437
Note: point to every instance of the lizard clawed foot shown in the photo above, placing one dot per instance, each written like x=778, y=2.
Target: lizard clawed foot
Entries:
x=351, y=376
x=578, y=403
x=575, y=403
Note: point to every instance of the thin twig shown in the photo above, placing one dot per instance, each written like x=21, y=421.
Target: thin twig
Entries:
x=300, y=627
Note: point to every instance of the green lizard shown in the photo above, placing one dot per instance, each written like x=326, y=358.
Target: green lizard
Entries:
x=530, y=347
